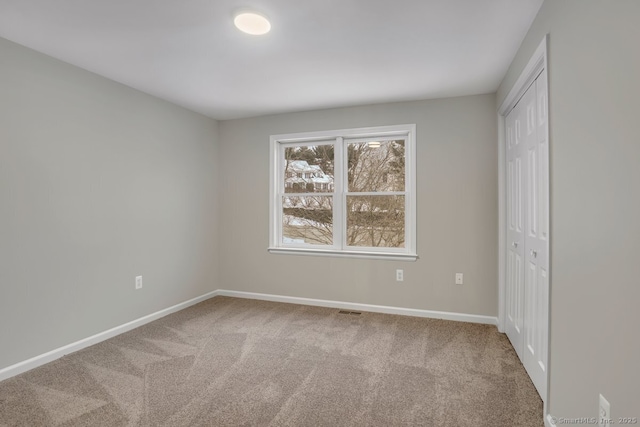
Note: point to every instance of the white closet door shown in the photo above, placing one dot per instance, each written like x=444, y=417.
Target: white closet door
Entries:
x=536, y=297
x=527, y=284
x=516, y=176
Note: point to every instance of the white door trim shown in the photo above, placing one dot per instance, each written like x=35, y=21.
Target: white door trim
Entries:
x=502, y=224
x=536, y=65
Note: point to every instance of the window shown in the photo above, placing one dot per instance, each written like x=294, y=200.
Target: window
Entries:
x=344, y=193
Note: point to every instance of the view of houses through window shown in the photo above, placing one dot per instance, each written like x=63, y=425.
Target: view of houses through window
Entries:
x=309, y=173
x=373, y=193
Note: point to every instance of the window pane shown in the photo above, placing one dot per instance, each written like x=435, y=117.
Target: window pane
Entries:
x=308, y=169
x=376, y=165
x=375, y=221
x=307, y=220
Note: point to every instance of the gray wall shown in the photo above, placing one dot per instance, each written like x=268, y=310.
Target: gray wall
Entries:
x=594, y=81
x=98, y=183
x=457, y=210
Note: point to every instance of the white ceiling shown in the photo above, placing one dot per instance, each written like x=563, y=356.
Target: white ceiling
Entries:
x=319, y=53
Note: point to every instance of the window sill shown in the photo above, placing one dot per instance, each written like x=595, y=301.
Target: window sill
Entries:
x=344, y=254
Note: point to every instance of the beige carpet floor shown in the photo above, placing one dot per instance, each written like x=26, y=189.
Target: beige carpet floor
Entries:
x=236, y=362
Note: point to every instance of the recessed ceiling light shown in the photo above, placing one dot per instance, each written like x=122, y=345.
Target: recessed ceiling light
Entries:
x=252, y=23
x=374, y=144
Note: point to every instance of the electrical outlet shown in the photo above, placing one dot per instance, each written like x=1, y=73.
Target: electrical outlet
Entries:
x=459, y=279
x=138, y=282
x=604, y=413
x=399, y=275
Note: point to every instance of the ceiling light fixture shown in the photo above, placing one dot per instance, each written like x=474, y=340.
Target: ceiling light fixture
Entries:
x=374, y=144
x=252, y=23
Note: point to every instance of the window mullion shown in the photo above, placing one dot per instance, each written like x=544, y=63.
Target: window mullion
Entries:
x=345, y=190
x=338, y=202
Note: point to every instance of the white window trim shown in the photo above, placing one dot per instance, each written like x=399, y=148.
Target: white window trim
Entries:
x=408, y=253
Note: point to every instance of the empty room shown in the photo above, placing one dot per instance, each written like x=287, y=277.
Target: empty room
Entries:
x=290, y=213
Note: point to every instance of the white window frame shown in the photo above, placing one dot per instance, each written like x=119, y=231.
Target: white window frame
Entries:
x=340, y=139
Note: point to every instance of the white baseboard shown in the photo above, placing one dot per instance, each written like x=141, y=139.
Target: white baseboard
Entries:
x=52, y=355
x=461, y=317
